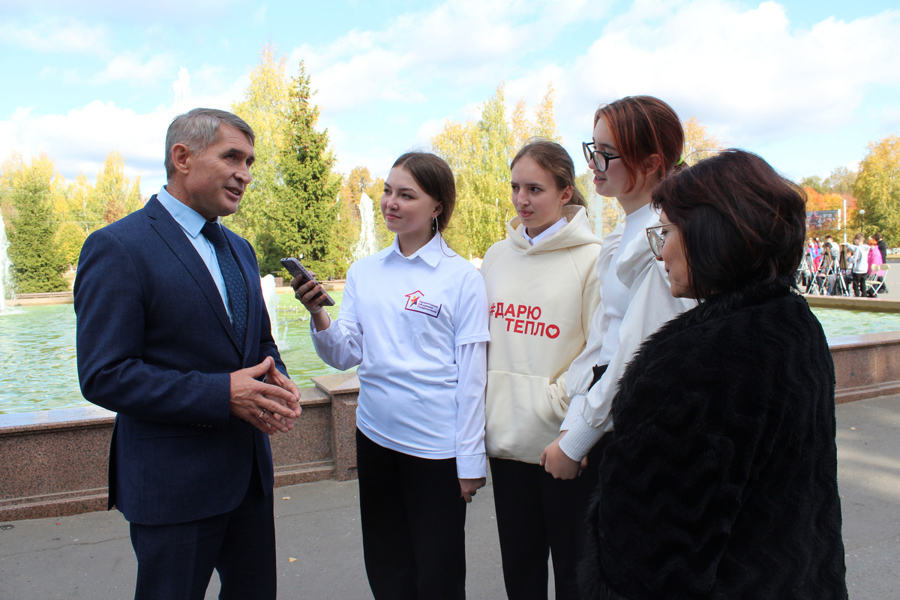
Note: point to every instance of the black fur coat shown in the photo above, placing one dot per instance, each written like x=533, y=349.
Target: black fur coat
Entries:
x=720, y=480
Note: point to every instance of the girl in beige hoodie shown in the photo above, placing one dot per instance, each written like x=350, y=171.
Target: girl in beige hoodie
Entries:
x=542, y=290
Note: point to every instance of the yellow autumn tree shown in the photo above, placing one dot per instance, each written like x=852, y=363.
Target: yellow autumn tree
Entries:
x=698, y=143
x=479, y=151
x=877, y=188
x=266, y=108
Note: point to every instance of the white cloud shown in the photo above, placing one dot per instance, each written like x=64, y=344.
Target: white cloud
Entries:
x=750, y=76
x=367, y=148
x=533, y=87
x=430, y=128
x=890, y=118
x=418, y=54
x=214, y=91
x=746, y=73
x=376, y=75
x=66, y=76
x=79, y=140
x=182, y=88
x=259, y=15
x=55, y=35
x=129, y=67
x=160, y=10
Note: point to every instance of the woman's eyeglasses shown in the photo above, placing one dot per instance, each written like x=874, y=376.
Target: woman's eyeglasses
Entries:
x=657, y=238
x=597, y=155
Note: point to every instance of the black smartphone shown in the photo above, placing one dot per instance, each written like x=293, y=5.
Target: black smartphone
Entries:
x=294, y=267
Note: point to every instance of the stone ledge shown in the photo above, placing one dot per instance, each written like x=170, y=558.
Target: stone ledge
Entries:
x=42, y=298
x=866, y=391
x=53, y=505
x=864, y=340
x=54, y=463
x=89, y=500
x=61, y=419
x=303, y=473
x=853, y=303
x=866, y=365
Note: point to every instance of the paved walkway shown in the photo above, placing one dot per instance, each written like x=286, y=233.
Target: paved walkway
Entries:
x=319, y=549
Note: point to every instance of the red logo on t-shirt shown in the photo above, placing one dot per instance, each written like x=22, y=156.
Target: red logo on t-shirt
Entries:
x=415, y=303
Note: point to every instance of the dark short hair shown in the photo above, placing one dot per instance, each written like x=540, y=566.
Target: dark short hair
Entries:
x=554, y=159
x=741, y=223
x=642, y=126
x=198, y=129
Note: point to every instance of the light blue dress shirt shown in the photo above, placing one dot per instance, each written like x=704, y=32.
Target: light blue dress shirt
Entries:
x=191, y=223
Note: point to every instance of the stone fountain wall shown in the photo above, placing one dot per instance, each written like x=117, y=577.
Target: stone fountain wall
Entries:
x=54, y=463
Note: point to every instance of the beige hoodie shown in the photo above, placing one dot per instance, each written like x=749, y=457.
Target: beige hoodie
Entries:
x=542, y=299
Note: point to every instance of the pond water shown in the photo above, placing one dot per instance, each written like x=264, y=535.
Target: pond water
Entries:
x=838, y=322
x=37, y=354
x=37, y=349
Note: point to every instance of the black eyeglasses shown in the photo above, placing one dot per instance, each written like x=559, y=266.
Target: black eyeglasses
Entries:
x=602, y=165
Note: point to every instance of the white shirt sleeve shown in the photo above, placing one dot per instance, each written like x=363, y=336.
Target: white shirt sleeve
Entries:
x=471, y=359
x=573, y=414
x=341, y=345
x=650, y=306
x=470, y=353
x=581, y=436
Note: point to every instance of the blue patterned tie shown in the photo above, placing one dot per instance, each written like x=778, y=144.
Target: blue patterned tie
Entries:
x=234, y=281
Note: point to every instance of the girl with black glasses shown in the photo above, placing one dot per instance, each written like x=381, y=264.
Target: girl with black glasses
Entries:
x=637, y=142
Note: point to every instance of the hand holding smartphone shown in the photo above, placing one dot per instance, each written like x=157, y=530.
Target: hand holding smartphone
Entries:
x=296, y=269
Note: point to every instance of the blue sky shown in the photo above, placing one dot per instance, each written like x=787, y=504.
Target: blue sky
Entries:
x=805, y=84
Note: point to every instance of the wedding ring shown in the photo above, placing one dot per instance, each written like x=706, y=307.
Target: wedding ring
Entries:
x=262, y=413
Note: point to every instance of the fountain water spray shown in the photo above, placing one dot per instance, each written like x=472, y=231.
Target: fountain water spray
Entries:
x=271, y=299
x=279, y=326
x=366, y=244
x=5, y=267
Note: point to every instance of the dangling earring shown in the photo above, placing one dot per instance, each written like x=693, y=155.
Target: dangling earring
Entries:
x=434, y=224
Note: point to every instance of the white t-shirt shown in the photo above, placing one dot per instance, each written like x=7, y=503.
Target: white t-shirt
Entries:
x=417, y=327
x=860, y=261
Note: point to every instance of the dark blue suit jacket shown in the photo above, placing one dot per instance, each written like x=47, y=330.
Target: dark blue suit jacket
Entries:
x=155, y=345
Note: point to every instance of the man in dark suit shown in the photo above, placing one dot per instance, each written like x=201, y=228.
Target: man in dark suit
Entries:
x=173, y=335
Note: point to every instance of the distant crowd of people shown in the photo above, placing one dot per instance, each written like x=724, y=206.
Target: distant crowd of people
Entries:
x=656, y=409
x=836, y=269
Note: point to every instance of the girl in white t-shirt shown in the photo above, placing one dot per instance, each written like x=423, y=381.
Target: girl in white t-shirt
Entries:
x=414, y=318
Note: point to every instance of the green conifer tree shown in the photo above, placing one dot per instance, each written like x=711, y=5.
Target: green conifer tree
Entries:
x=302, y=219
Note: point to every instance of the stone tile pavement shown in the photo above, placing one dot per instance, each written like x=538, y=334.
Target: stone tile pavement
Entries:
x=319, y=551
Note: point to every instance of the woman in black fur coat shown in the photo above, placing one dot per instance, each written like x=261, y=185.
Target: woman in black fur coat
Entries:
x=720, y=480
